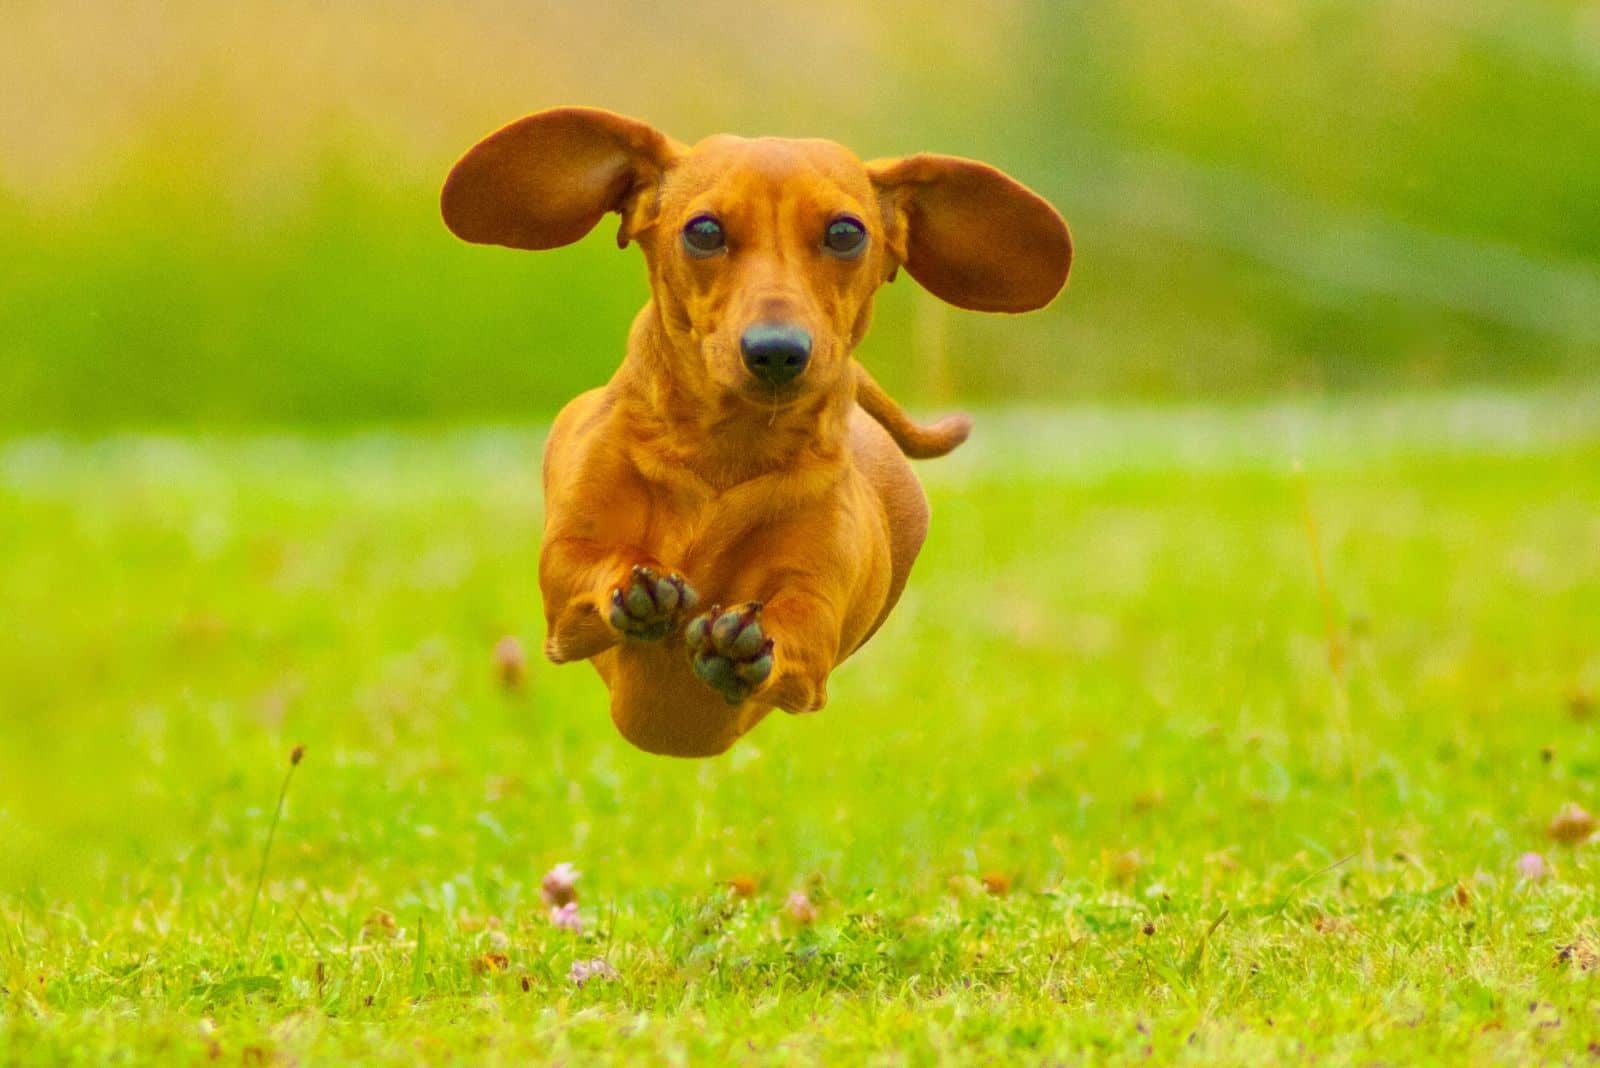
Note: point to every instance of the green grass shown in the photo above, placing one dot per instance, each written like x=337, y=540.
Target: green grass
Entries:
x=1108, y=682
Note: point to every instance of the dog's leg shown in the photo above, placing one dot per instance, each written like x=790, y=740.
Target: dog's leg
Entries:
x=779, y=651
x=597, y=596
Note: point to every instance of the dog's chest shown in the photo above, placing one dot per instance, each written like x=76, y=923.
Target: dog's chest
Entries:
x=716, y=534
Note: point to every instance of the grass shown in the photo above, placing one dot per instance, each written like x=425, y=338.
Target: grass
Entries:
x=1107, y=693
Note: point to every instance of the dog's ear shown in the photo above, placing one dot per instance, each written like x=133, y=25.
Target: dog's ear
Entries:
x=545, y=180
x=970, y=234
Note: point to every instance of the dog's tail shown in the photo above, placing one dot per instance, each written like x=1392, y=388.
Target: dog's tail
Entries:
x=916, y=441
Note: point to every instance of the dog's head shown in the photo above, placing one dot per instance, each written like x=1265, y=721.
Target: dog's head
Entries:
x=764, y=254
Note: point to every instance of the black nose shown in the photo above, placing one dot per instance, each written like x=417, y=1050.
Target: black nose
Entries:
x=776, y=353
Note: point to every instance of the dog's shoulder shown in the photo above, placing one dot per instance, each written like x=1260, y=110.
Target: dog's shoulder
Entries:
x=577, y=421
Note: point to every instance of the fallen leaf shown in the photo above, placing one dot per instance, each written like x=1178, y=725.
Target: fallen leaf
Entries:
x=1125, y=866
x=1571, y=825
x=490, y=963
x=1580, y=704
x=997, y=883
x=381, y=922
x=1582, y=954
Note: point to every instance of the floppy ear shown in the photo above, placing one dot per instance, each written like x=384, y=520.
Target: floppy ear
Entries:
x=545, y=180
x=972, y=235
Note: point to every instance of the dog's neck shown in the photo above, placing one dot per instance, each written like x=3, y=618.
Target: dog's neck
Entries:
x=681, y=423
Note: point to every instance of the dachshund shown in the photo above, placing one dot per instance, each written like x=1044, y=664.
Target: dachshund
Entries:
x=732, y=515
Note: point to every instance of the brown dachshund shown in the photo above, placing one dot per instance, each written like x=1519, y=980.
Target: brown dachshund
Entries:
x=732, y=514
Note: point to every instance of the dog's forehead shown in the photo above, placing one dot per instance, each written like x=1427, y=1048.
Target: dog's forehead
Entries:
x=773, y=162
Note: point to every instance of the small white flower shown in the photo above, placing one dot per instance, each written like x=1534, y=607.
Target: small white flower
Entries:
x=584, y=970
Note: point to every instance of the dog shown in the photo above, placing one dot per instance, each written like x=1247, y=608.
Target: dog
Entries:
x=732, y=515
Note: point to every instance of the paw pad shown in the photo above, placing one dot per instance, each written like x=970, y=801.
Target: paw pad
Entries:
x=729, y=650
x=646, y=606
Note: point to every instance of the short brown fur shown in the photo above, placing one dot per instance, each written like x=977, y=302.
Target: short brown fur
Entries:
x=796, y=501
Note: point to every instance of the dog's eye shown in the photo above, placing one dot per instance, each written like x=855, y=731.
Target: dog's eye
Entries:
x=703, y=236
x=845, y=236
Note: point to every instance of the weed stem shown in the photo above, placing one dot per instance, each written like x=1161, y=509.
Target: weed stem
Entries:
x=295, y=756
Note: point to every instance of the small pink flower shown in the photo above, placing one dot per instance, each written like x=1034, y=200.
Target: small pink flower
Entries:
x=560, y=885
x=566, y=917
x=584, y=970
x=800, y=908
x=1531, y=866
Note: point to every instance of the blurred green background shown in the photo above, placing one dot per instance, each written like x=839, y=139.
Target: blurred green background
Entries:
x=226, y=214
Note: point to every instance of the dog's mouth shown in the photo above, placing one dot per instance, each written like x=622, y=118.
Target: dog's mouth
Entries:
x=766, y=403
x=762, y=393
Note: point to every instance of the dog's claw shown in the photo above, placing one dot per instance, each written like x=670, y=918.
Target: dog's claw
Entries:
x=729, y=650
x=648, y=604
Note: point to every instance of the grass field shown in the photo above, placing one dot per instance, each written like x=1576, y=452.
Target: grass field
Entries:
x=1094, y=792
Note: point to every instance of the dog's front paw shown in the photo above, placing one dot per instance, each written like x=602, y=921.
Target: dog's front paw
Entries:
x=730, y=651
x=648, y=604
